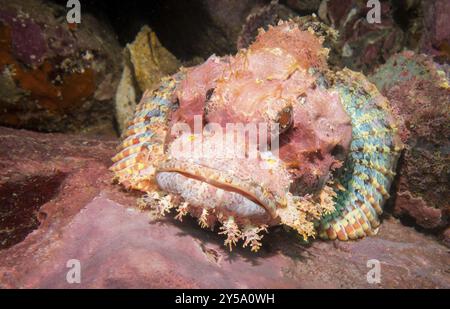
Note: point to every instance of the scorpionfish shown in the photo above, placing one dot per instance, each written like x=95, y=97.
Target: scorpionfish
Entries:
x=321, y=161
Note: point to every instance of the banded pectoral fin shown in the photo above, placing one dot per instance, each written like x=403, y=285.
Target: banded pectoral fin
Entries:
x=359, y=202
x=357, y=220
x=143, y=142
x=368, y=172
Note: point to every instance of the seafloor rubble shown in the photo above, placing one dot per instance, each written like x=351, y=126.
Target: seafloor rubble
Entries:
x=57, y=200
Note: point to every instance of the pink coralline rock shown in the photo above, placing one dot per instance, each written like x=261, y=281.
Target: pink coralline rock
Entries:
x=418, y=89
x=418, y=208
x=40, y=173
x=63, y=181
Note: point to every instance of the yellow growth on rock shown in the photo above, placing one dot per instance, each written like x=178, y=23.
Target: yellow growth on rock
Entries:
x=146, y=62
x=151, y=61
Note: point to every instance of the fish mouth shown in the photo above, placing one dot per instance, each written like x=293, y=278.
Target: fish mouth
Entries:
x=250, y=192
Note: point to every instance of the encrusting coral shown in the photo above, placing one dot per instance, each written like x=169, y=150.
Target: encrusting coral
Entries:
x=55, y=76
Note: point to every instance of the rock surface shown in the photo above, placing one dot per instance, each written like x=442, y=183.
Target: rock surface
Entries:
x=436, y=38
x=418, y=90
x=199, y=28
x=81, y=215
x=361, y=45
x=146, y=61
x=55, y=76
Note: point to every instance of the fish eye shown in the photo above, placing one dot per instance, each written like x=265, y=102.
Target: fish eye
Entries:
x=285, y=118
x=209, y=94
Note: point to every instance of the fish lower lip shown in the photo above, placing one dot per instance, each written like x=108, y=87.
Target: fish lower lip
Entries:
x=221, y=180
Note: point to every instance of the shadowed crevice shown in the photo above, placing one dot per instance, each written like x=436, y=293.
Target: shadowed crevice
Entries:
x=20, y=203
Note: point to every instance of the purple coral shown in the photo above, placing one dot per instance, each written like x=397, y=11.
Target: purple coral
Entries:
x=28, y=42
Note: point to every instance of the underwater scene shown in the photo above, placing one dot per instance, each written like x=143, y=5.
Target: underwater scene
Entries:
x=224, y=144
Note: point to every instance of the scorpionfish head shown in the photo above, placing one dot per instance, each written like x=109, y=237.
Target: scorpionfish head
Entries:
x=256, y=137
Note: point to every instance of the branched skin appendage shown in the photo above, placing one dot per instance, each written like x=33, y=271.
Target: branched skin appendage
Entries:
x=159, y=203
x=231, y=230
x=182, y=211
x=203, y=220
x=338, y=144
x=252, y=236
